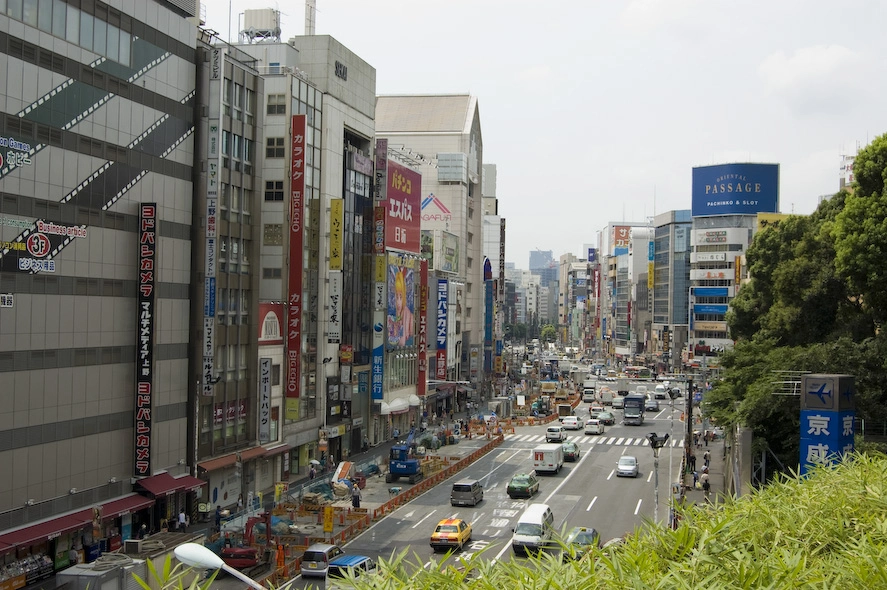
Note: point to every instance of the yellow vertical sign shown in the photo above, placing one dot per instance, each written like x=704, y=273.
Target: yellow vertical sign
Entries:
x=337, y=235
x=327, y=519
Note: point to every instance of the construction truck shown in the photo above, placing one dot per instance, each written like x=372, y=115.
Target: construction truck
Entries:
x=403, y=462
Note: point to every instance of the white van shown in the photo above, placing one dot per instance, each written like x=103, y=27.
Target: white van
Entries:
x=618, y=402
x=534, y=529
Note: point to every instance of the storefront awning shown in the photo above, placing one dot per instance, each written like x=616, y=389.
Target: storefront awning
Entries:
x=121, y=506
x=162, y=484
x=44, y=531
x=218, y=462
x=277, y=449
x=399, y=405
x=253, y=453
x=190, y=483
x=414, y=400
x=385, y=409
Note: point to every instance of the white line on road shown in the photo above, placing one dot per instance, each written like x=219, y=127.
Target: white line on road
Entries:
x=611, y=474
x=423, y=518
x=593, y=500
x=649, y=477
x=638, y=509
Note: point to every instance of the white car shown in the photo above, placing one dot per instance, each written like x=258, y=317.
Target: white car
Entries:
x=571, y=423
x=594, y=426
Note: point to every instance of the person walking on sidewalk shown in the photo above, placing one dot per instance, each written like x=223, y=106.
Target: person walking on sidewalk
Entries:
x=355, y=496
x=706, y=457
x=692, y=461
x=706, y=485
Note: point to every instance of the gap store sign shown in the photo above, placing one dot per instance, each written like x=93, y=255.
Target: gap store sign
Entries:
x=735, y=189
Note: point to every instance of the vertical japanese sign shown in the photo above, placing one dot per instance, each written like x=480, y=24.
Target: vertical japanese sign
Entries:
x=442, y=310
x=422, y=340
x=621, y=239
x=337, y=235
x=145, y=331
x=334, y=330
x=294, y=296
x=828, y=411
x=488, y=324
x=378, y=230
x=209, y=263
x=264, y=400
x=381, y=170
x=380, y=306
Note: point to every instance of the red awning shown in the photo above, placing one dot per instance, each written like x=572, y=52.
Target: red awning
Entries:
x=45, y=531
x=252, y=453
x=189, y=483
x=162, y=484
x=219, y=462
x=277, y=450
x=125, y=505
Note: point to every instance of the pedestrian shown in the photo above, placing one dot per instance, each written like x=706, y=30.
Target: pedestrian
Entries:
x=706, y=486
x=706, y=457
x=219, y=518
x=707, y=436
x=182, y=521
x=312, y=473
x=692, y=462
x=240, y=503
x=366, y=443
x=355, y=496
x=143, y=531
x=695, y=478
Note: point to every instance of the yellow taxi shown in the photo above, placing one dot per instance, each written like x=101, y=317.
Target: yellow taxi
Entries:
x=450, y=533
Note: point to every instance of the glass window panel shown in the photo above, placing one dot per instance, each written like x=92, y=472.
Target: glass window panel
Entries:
x=72, y=30
x=14, y=9
x=125, y=41
x=59, y=17
x=100, y=41
x=113, y=42
x=2, y=6
x=86, y=25
x=29, y=12
x=44, y=15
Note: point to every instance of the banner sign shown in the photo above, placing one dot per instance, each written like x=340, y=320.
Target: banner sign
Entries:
x=337, y=234
x=145, y=331
x=334, y=330
x=422, y=352
x=264, y=400
x=442, y=310
x=294, y=297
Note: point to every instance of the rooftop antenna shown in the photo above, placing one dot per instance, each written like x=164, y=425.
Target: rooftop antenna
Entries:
x=310, y=17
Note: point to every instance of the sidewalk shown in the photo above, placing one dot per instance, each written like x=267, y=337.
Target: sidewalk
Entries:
x=715, y=473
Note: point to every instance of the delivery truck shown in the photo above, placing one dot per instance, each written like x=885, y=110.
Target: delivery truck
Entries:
x=548, y=458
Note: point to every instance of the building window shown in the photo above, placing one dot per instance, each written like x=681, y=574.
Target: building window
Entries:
x=276, y=104
x=275, y=147
x=272, y=234
x=275, y=375
x=271, y=273
x=274, y=190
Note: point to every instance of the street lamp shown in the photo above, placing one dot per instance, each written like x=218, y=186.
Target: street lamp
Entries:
x=657, y=441
x=195, y=555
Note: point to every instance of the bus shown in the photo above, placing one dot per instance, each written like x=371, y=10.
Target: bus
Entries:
x=638, y=373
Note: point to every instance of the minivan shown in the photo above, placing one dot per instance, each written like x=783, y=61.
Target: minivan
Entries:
x=354, y=565
x=467, y=492
x=534, y=529
x=316, y=559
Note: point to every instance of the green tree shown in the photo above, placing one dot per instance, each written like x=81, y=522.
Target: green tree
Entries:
x=860, y=231
x=548, y=333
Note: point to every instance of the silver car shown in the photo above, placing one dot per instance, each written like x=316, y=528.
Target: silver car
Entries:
x=627, y=466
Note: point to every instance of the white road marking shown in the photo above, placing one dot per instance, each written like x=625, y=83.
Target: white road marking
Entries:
x=423, y=518
x=638, y=509
x=593, y=500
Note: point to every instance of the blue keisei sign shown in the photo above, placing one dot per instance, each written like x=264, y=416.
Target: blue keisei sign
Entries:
x=735, y=189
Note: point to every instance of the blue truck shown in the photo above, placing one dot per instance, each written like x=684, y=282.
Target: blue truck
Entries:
x=402, y=461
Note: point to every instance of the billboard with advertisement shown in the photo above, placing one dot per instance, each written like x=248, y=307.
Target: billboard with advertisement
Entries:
x=449, y=252
x=294, y=283
x=735, y=189
x=401, y=306
x=426, y=246
x=402, y=206
x=621, y=239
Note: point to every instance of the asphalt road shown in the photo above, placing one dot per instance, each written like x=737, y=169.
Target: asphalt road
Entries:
x=584, y=493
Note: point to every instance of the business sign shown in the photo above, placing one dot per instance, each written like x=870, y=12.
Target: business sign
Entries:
x=381, y=170
x=449, y=252
x=621, y=239
x=422, y=338
x=294, y=296
x=711, y=256
x=592, y=255
x=264, y=400
x=709, y=326
x=401, y=302
x=377, y=377
x=488, y=324
x=710, y=308
x=402, y=206
x=735, y=189
x=378, y=230
x=334, y=330
x=145, y=344
x=473, y=361
x=828, y=413
x=442, y=310
x=426, y=245
x=34, y=249
x=766, y=220
x=433, y=209
x=337, y=233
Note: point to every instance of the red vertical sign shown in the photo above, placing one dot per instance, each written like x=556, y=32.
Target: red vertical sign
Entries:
x=145, y=331
x=422, y=340
x=294, y=297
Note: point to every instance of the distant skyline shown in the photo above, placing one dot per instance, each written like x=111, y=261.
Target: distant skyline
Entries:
x=596, y=112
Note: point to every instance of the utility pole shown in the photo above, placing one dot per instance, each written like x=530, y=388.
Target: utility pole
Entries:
x=689, y=445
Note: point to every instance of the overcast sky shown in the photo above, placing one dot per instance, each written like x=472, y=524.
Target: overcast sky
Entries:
x=597, y=110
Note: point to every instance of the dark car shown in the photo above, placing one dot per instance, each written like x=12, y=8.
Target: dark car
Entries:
x=523, y=485
x=579, y=541
x=652, y=405
x=571, y=451
x=607, y=418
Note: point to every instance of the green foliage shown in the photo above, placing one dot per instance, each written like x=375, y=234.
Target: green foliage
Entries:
x=549, y=333
x=178, y=577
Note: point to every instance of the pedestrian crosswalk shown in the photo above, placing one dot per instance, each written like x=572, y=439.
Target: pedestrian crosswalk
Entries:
x=618, y=441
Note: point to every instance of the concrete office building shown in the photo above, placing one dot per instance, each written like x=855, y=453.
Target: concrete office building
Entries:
x=671, y=283
x=96, y=234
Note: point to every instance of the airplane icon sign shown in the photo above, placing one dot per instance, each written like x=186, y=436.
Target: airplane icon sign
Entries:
x=821, y=393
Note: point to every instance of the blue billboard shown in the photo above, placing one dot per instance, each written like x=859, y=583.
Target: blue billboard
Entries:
x=735, y=189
